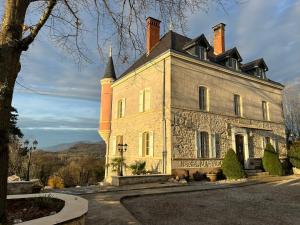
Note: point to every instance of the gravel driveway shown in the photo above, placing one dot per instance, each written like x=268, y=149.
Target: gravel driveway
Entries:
x=265, y=204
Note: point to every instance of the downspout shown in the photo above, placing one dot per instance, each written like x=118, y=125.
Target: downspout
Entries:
x=106, y=158
x=164, y=152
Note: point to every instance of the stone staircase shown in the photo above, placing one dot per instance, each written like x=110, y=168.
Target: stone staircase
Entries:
x=256, y=173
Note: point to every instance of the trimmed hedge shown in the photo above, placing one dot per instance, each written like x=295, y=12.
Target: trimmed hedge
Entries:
x=231, y=167
x=294, y=156
x=271, y=162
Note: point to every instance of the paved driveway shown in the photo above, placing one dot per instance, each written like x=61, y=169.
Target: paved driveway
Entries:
x=276, y=203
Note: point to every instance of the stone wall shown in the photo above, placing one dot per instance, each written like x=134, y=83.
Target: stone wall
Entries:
x=185, y=124
x=135, y=122
x=222, y=84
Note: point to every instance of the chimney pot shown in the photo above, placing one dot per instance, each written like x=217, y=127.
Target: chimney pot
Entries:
x=219, y=38
x=152, y=34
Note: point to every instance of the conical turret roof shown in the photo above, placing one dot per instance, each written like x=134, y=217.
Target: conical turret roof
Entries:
x=110, y=69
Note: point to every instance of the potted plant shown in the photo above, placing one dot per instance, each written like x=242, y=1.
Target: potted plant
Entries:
x=212, y=176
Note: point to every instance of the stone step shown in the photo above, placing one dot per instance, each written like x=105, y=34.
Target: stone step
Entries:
x=253, y=171
x=256, y=173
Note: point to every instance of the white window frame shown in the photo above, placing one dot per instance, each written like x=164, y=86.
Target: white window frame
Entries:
x=240, y=105
x=198, y=144
x=121, y=104
x=267, y=111
x=206, y=98
x=145, y=100
x=142, y=148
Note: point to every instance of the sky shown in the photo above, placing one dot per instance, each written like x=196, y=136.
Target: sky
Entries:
x=60, y=102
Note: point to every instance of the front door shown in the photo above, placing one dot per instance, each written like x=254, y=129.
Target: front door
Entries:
x=239, y=146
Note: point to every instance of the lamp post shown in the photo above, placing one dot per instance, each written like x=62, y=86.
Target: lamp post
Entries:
x=122, y=148
x=29, y=150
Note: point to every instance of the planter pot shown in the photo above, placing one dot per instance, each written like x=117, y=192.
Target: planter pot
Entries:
x=296, y=171
x=212, y=177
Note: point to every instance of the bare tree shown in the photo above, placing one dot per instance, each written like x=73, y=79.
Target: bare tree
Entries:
x=291, y=108
x=122, y=20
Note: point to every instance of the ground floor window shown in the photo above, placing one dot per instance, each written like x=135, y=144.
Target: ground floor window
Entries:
x=208, y=145
x=146, y=142
x=269, y=140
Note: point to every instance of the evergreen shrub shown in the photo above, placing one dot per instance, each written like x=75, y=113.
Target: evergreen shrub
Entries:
x=271, y=162
x=231, y=167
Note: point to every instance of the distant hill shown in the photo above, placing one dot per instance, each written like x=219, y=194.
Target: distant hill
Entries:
x=64, y=146
x=78, y=149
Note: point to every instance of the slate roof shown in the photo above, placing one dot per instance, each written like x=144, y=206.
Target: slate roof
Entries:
x=110, y=69
x=233, y=52
x=253, y=64
x=198, y=40
x=179, y=43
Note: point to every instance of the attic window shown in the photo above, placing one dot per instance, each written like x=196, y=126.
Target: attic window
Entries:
x=232, y=63
x=202, y=53
x=260, y=73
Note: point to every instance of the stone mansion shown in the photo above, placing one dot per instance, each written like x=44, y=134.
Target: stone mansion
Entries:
x=184, y=103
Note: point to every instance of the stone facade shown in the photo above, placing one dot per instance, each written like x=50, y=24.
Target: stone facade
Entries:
x=186, y=118
x=134, y=122
x=185, y=124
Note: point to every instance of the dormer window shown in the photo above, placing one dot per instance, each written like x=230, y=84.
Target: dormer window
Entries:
x=202, y=53
x=232, y=63
x=260, y=73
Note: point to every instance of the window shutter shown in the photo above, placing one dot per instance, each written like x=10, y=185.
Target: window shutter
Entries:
x=141, y=101
x=218, y=145
x=140, y=144
x=117, y=110
x=147, y=99
x=212, y=152
x=198, y=152
x=123, y=106
x=151, y=143
x=114, y=145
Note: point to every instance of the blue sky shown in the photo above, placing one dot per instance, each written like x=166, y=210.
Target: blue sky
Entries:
x=64, y=106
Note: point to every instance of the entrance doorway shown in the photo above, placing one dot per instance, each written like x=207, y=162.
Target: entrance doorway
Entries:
x=239, y=146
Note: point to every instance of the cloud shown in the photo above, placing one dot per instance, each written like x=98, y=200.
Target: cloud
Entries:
x=61, y=128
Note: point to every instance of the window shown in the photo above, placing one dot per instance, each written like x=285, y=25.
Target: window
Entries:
x=202, y=145
x=265, y=110
x=121, y=108
x=260, y=73
x=233, y=63
x=237, y=105
x=216, y=146
x=146, y=146
x=146, y=143
x=202, y=53
x=144, y=101
x=266, y=140
x=203, y=98
x=272, y=141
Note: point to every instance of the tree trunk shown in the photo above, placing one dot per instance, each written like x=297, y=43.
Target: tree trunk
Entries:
x=10, y=36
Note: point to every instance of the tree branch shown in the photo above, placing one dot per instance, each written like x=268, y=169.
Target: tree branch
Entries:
x=34, y=32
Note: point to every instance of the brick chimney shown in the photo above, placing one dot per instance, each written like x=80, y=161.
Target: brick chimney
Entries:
x=219, y=38
x=153, y=33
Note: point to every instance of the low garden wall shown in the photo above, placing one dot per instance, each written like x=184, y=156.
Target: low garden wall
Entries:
x=73, y=213
x=139, y=179
x=22, y=187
